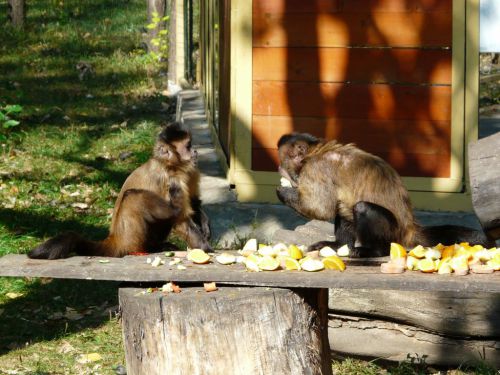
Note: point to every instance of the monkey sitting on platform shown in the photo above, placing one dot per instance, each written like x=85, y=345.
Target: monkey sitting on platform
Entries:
x=159, y=196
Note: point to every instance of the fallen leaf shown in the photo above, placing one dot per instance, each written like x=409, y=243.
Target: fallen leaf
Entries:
x=81, y=206
x=91, y=357
x=13, y=295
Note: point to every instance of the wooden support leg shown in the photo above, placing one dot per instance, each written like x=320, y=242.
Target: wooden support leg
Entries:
x=235, y=330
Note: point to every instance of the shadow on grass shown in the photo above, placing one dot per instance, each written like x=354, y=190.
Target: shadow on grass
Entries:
x=37, y=315
x=41, y=225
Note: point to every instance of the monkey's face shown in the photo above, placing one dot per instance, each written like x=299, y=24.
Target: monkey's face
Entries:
x=175, y=153
x=291, y=157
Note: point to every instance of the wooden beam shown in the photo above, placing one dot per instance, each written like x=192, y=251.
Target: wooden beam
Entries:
x=135, y=269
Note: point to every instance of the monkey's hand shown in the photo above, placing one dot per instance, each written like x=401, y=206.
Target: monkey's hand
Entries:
x=288, y=195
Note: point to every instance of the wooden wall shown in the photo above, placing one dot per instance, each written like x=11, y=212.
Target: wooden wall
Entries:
x=373, y=72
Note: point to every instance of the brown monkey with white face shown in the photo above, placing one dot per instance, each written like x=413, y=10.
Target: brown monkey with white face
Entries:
x=160, y=195
x=361, y=192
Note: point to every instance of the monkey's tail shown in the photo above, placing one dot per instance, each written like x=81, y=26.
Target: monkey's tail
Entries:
x=64, y=245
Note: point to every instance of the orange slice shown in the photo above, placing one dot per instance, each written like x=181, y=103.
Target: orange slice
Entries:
x=268, y=263
x=417, y=252
x=292, y=264
x=333, y=263
x=426, y=265
x=295, y=252
x=397, y=251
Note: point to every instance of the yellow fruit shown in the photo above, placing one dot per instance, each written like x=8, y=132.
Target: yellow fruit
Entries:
x=433, y=254
x=411, y=263
x=250, y=246
x=445, y=268
x=198, y=256
x=268, y=263
x=391, y=268
x=462, y=252
x=397, y=251
x=268, y=251
x=334, y=263
x=251, y=265
x=312, y=265
x=261, y=245
x=343, y=251
x=494, y=264
x=225, y=258
x=254, y=258
x=439, y=247
x=448, y=252
x=417, y=252
x=295, y=252
x=426, y=265
x=292, y=264
x=459, y=263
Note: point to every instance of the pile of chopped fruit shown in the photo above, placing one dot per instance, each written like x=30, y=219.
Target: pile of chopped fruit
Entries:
x=459, y=259
x=261, y=257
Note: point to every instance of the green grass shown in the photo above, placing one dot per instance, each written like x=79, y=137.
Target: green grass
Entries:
x=65, y=151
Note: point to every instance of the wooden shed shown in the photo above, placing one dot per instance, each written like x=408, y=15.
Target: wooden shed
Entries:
x=397, y=77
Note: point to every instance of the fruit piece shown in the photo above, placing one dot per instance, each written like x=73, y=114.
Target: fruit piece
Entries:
x=483, y=255
x=334, y=263
x=481, y=268
x=292, y=264
x=198, y=256
x=295, y=252
x=343, y=251
x=210, y=287
x=417, y=252
x=494, y=264
x=250, y=246
x=156, y=262
x=280, y=247
x=313, y=254
x=445, y=268
x=432, y=254
x=411, y=263
x=225, y=258
x=251, y=265
x=439, y=247
x=268, y=251
x=254, y=258
x=268, y=263
x=426, y=265
x=448, y=252
x=312, y=265
x=391, y=268
x=285, y=182
x=399, y=261
x=327, y=251
x=462, y=252
x=174, y=261
x=397, y=251
x=460, y=265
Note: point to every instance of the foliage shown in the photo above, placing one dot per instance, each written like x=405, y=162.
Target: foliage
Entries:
x=160, y=41
x=8, y=114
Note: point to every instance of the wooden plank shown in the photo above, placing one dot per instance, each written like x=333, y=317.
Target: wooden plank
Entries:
x=329, y=6
x=484, y=172
x=352, y=29
x=428, y=135
x=350, y=64
x=407, y=164
x=375, y=102
x=135, y=269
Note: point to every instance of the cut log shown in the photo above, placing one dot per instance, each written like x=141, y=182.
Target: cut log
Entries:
x=484, y=174
x=458, y=314
x=393, y=341
x=230, y=331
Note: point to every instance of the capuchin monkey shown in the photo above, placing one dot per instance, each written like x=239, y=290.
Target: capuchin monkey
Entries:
x=160, y=196
x=361, y=192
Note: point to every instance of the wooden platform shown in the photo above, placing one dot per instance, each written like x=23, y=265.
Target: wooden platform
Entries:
x=135, y=269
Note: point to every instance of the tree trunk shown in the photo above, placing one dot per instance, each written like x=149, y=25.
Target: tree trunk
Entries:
x=231, y=331
x=16, y=12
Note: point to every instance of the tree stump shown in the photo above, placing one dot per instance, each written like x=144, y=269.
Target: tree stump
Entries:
x=230, y=331
x=484, y=173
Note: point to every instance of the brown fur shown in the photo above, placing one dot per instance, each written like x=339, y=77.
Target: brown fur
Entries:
x=329, y=180
x=155, y=198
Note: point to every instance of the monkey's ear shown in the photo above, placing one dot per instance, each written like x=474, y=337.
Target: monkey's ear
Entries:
x=164, y=152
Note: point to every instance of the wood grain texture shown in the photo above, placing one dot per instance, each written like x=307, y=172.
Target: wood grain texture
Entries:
x=356, y=101
x=230, y=331
x=136, y=269
x=330, y=6
x=345, y=29
x=352, y=64
x=368, y=337
x=484, y=173
x=461, y=314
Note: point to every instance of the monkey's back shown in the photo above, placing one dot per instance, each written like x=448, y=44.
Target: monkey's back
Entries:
x=348, y=175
